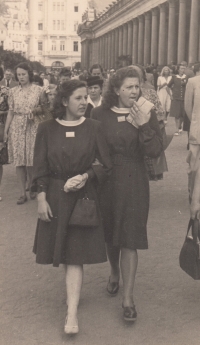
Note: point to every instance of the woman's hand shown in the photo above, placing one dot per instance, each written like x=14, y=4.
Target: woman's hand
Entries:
x=75, y=183
x=44, y=210
x=5, y=137
x=138, y=116
x=195, y=209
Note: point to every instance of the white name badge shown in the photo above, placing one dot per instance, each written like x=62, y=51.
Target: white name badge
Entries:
x=70, y=134
x=121, y=118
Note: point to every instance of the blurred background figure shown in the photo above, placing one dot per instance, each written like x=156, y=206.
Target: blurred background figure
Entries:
x=45, y=81
x=94, y=99
x=164, y=92
x=8, y=80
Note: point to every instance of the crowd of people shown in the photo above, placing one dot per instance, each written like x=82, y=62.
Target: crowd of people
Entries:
x=86, y=145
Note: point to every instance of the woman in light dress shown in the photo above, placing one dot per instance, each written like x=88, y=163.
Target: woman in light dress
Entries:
x=164, y=92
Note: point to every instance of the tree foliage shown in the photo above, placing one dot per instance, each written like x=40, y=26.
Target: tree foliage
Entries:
x=10, y=59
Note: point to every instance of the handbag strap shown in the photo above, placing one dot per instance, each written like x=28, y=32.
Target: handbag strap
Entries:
x=195, y=230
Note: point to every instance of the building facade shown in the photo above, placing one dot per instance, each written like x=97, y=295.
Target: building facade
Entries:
x=53, y=28
x=16, y=24
x=155, y=32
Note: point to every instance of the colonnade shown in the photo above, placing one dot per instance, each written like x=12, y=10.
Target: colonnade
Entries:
x=158, y=36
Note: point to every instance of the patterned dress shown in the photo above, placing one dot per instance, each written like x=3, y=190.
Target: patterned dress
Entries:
x=22, y=131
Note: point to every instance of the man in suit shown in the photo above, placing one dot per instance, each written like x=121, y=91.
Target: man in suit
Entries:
x=192, y=108
x=7, y=80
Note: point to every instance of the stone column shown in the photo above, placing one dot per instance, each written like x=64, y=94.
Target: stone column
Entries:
x=171, y=51
x=130, y=38
x=120, y=40
x=116, y=54
x=141, y=41
x=106, y=51
x=100, y=50
x=194, y=31
x=147, y=38
x=162, y=36
x=154, y=37
x=109, y=50
x=125, y=39
x=135, y=41
x=82, y=54
x=103, y=51
x=112, y=60
x=181, y=30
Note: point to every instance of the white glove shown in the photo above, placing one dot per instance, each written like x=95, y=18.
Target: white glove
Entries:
x=75, y=183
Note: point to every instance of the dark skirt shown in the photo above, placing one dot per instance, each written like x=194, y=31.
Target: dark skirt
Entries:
x=177, y=109
x=124, y=202
x=58, y=243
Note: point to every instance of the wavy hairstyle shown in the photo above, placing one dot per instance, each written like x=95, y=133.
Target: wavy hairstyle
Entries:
x=110, y=98
x=64, y=93
x=162, y=72
x=26, y=67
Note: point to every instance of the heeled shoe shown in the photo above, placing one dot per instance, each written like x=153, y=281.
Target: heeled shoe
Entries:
x=130, y=313
x=32, y=195
x=22, y=199
x=112, y=288
x=69, y=329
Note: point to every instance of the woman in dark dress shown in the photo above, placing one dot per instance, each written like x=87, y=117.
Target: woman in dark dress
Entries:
x=132, y=131
x=64, y=172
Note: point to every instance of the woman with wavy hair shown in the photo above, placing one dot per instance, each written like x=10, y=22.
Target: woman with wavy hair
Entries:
x=64, y=172
x=132, y=131
x=164, y=92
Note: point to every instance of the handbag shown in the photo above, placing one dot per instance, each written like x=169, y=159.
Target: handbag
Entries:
x=3, y=154
x=189, y=258
x=84, y=214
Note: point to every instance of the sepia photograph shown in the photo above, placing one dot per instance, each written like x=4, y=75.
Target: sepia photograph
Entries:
x=99, y=172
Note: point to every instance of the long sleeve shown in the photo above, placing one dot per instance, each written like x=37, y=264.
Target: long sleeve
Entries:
x=41, y=169
x=171, y=82
x=189, y=99
x=102, y=170
x=150, y=137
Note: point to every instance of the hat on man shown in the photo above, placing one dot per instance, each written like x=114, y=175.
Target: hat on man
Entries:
x=94, y=80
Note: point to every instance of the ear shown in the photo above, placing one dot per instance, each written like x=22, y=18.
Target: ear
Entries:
x=116, y=91
x=64, y=102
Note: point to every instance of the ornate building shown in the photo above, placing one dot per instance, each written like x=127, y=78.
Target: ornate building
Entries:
x=148, y=31
x=53, y=28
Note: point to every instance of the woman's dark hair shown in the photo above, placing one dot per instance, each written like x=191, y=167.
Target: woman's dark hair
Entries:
x=26, y=67
x=95, y=66
x=38, y=80
x=65, y=91
x=110, y=98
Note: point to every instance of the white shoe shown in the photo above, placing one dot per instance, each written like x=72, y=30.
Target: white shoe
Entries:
x=180, y=131
x=0, y=197
x=176, y=133
x=71, y=329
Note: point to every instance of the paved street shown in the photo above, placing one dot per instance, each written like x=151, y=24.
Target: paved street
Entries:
x=33, y=296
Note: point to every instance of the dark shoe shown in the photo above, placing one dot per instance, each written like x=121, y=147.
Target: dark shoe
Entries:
x=22, y=199
x=32, y=195
x=130, y=313
x=112, y=288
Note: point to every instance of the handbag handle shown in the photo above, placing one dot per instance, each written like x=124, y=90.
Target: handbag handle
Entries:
x=194, y=224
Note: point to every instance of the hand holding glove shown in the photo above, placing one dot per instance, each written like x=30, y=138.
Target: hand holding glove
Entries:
x=75, y=183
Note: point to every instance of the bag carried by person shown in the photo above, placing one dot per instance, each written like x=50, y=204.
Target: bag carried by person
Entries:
x=189, y=258
x=3, y=154
x=84, y=214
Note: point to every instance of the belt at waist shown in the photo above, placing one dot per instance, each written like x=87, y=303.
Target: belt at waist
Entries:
x=119, y=159
x=63, y=177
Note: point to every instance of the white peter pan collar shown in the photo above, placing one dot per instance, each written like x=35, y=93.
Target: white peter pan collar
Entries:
x=181, y=77
x=92, y=103
x=71, y=123
x=120, y=110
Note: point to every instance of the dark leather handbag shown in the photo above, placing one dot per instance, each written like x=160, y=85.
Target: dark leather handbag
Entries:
x=84, y=214
x=3, y=154
x=189, y=258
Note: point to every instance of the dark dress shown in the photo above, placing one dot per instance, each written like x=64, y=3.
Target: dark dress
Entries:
x=59, y=157
x=125, y=196
x=178, y=86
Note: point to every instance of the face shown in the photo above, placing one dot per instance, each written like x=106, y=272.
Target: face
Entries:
x=76, y=104
x=22, y=76
x=51, y=96
x=8, y=75
x=42, y=75
x=128, y=92
x=182, y=70
x=166, y=71
x=97, y=72
x=94, y=91
x=64, y=79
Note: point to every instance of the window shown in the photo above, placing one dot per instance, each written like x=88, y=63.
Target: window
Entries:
x=62, y=45
x=40, y=26
x=58, y=7
x=53, y=45
x=75, y=8
x=62, y=25
x=40, y=7
x=40, y=45
x=58, y=24
x=54, y=6
x=75, y=26
x=75, y=46
x=54, y=25
x=62, y=6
